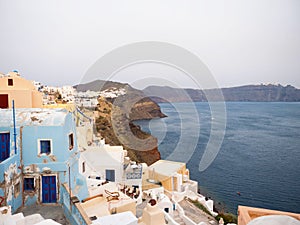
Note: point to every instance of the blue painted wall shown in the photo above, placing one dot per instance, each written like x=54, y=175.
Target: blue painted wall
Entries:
x=60, y=159
x=10, y=179
x=72, y=213
x=60, y=162
x=60, y=142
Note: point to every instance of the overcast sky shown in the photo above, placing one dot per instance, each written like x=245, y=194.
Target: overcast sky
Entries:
x=241, y=42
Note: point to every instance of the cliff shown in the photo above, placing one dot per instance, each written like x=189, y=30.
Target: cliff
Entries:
x=115, y=115
x=112, y=124
x=252, y=93
x=141, y=106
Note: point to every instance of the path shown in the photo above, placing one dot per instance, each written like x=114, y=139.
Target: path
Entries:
x=196, y=214
x=48, y=212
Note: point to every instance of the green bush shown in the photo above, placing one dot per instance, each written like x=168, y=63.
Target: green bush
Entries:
x=227, y=217
x=200, y=206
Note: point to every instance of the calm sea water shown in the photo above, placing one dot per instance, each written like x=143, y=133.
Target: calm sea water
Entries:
x=259, y=157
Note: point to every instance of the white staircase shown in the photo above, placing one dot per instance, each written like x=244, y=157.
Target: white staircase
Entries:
x=177, y=218
x=6, y=218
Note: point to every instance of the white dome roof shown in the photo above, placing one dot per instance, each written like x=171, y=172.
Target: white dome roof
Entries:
x=274, y=220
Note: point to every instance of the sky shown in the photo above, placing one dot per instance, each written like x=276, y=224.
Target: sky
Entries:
x=240, y=41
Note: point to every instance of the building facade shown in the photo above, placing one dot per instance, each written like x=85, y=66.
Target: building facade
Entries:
x=173, y=176
x=23, y=92
x=46, y=156
x=247, y=214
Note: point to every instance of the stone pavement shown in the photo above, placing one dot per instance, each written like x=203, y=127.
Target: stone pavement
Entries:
x=196, y=214
x=47, y=211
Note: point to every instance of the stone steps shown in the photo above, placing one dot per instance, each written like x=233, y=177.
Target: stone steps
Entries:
x=177, y=218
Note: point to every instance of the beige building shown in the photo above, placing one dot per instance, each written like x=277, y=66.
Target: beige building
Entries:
x=171, y=175
x=22, y=91
x=68, y=106
x=152, y=215
x=248, y=214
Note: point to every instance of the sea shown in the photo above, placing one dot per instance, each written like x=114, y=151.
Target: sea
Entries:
x=257, y=162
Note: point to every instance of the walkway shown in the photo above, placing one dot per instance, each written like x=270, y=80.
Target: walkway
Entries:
x=48, y=212
x=196, y=214
x=177, y=218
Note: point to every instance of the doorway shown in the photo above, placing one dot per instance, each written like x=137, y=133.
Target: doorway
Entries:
x=49, y=189
x=3, y=101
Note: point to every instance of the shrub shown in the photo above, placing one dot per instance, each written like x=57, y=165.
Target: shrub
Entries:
x=200, y=206
x=227, y=217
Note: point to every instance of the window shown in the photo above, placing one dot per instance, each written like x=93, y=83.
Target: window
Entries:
x=4, y=146
x=29, y=184
x=10, y=82
x=71, y=141
x=3, y=101
x=110, y=175
x=83, y=167
x=45, y=147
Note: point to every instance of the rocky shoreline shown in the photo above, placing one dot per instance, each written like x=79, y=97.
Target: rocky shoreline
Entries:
x=114, y=124
x=114, y=118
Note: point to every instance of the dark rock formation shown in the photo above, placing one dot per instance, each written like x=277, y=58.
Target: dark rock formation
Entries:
x=115, y=126
x=139, y=105
x=252, y=93
x=115, y=116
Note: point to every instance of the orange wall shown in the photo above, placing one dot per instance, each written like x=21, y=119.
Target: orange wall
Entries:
x=246, y=214
x=22, y=91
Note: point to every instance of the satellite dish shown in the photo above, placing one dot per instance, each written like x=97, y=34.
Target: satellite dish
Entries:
x=154, y=181
x=134, y=166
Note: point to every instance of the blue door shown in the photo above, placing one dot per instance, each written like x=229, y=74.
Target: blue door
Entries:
x=49, y=189
x=4, y=146
x=110, y=175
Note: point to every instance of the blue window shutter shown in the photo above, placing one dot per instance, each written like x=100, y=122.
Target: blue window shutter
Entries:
x=45, y=146
x=4, y=146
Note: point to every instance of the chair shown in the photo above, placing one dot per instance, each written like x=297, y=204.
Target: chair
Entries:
x=112, y=195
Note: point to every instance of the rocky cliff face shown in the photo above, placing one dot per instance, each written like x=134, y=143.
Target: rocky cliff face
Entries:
x=116, y=127
x=138, y=106
x=115, y=116
x=134, y=101
x=146, y=109
x=252, y=93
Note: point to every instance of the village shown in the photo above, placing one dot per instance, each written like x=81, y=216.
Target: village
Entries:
x=51, y=155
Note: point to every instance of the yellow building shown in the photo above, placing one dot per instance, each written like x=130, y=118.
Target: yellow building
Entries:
x=71, y=107
x=248, y=214
x=23, y=92
x=152, y=215
x=171, y=175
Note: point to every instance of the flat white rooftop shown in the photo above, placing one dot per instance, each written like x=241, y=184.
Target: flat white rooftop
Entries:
x=101, y=156
x=165, y=167
x=34, y=117
x=124, y=218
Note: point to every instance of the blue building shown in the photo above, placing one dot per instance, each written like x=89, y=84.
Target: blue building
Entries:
x=43, y=159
